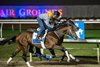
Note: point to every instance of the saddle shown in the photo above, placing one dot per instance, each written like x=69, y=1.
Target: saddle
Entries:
x=37, y=41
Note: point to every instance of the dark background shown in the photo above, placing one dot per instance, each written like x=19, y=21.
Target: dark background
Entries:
x=72, y=8
x=49, y=2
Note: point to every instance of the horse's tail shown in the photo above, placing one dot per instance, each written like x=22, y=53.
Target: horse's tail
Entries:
x=8, y=40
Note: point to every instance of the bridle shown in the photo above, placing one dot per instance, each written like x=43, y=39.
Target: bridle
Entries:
x=70, y=30
x=59, y=34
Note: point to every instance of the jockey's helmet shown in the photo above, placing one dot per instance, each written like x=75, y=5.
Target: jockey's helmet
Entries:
x=50, y=14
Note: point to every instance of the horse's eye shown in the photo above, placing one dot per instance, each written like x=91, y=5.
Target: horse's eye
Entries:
x=70, y=25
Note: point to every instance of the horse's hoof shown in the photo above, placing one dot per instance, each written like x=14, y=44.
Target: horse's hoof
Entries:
x=77, y=60
x=68, y=61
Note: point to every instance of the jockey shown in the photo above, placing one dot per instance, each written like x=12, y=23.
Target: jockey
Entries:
x=46, y=21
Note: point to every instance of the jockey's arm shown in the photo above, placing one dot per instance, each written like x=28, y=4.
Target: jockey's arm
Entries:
x=47, y=22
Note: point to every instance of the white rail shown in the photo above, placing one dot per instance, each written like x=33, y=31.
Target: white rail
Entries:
x=33, y=21
x=97, y=41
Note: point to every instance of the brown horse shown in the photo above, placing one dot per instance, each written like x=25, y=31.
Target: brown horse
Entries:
x=53, y=40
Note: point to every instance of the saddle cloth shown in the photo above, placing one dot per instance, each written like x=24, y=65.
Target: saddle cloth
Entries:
x=36, y=41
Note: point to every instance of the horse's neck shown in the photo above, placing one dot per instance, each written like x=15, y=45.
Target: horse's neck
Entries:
x=59, y=34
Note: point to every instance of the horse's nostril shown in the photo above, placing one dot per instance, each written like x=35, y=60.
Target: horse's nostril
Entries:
x=77, y=28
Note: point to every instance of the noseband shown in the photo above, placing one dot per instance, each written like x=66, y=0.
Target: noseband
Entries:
x=69, y=28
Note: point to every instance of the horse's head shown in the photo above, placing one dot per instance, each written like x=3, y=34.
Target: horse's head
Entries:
x=68, y=28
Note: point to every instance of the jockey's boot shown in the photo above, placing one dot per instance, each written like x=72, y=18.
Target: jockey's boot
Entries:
x=38, y=37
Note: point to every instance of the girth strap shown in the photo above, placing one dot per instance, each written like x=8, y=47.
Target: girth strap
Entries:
x=59, y=34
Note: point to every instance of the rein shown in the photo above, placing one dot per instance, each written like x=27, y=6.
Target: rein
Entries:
x=59, y=34
x=69, y=28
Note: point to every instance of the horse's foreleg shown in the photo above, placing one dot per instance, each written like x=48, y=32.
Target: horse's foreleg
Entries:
x=77, y=60
x=52, y=52
x=31, y=52
x=70, y=56
x=66, y=53
x=14, y=54
x=62, y=58
x=31, y=49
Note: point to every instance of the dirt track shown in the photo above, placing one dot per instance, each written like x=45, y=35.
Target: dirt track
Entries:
x=84, y=62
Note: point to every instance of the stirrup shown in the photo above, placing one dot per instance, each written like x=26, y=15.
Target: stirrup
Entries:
x=39, y=38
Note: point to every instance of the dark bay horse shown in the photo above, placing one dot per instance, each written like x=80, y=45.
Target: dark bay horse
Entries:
x=53, y=40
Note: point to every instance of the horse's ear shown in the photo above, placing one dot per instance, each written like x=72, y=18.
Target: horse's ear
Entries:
x=71, y=20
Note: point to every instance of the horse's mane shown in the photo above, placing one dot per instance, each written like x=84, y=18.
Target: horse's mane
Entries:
x=59, y=25
x=62, y=24
x=69, y=22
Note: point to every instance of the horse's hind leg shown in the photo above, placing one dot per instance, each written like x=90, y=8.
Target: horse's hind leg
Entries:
x=24, y=56
x=14, y=54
